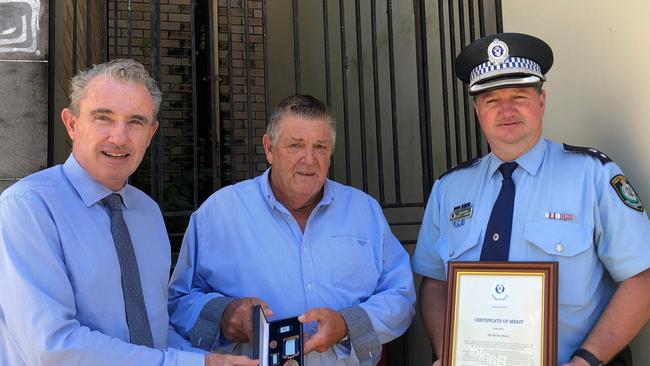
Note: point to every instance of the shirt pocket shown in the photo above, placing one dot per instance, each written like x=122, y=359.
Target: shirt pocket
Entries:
x=461, y=246
x=570, y=244
x=352, y=264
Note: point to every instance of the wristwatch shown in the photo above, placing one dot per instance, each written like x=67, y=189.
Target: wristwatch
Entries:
x=345, y=338
x=588, y=356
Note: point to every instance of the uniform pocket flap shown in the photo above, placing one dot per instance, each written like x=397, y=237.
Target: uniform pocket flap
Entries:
x=559, y=238
x=452, y=247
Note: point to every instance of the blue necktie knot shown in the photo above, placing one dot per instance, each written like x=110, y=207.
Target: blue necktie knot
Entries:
x=507, y=169
x=113, y=202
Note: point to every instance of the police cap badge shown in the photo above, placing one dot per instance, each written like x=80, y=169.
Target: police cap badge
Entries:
x=504, y=60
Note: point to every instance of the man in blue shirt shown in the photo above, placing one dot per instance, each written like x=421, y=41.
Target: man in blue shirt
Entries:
x=84, y=257
x=567, y=204
x=298, y=243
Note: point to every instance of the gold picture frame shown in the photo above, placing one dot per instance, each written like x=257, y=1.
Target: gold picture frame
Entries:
x=501, y=313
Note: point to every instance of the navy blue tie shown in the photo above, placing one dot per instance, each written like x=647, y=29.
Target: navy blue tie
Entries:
x=496, y=244
x=136, y=312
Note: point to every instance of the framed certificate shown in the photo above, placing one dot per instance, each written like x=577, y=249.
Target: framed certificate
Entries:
x=501, y=313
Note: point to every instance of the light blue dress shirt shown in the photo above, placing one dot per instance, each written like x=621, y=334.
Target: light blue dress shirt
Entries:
x=61, y=299
x=597, y=240
x=242, y=242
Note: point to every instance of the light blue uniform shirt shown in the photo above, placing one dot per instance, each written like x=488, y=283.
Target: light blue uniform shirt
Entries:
x=242, y=242
x=602, y=243
x=61, y=299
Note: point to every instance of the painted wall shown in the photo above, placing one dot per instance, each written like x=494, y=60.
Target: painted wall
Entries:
x=23, y=88
x=598, y=89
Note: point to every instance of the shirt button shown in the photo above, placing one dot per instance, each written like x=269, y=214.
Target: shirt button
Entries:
x=495, y=237
x=451, y=252
x=309, y=287
x=559, y=247
x=304, y=249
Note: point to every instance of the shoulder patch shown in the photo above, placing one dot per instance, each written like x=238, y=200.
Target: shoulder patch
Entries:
x=590, y=151
x=462, y=165
x=626, y=192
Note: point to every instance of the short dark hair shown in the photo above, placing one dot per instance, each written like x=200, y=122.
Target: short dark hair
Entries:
x=302, y=105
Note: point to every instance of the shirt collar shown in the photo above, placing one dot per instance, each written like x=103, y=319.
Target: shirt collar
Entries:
x=530, y=161
x=265, y=186
x=88, y=188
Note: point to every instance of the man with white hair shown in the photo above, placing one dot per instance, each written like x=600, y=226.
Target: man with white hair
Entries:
x=298, y=243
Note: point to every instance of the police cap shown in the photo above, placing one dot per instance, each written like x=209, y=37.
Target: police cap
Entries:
x=504, y=60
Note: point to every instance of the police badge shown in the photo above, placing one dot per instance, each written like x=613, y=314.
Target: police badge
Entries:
x=626, y=192
x=498, y=52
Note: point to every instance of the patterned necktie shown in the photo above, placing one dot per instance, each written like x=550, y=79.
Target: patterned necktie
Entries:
x=136, y=312
x=496, y=244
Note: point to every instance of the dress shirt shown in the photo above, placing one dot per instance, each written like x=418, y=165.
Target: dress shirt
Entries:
x=565, y=210
x=62, y=301
x=242, y=242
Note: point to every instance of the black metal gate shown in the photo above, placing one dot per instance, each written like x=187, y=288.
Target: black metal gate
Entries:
x=385, y=67
x=173, y=39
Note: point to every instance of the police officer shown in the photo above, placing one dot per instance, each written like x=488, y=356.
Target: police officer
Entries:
x=532, y=199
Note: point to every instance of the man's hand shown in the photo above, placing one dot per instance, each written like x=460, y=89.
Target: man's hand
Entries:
x=331, y=328
x=437, y=362
x=237, y=319
x=214, y=359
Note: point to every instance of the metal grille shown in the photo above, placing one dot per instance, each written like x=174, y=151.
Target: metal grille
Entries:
x=174, y=40
x=385, y=68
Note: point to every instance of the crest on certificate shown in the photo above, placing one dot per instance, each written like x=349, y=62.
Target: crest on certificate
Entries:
x=499, y=291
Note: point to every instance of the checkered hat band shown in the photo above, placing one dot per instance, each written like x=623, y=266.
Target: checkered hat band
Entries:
x=510, y=63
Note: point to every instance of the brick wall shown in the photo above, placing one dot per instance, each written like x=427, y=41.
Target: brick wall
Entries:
x=176, y=84
x=241, y=94
x=235, y=108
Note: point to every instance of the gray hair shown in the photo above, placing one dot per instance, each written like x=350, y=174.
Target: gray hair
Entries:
x=119, y=69
x=303, y=106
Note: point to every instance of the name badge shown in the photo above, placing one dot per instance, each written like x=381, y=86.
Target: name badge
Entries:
x=460, y=213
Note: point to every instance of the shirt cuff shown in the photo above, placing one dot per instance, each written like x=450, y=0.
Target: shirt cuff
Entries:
x=342, y=349
x=207, y=329
x=363, y=338
x=190, y=359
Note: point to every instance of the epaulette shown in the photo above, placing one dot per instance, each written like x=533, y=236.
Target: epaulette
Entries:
x=462, y=165
x=590, y=151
